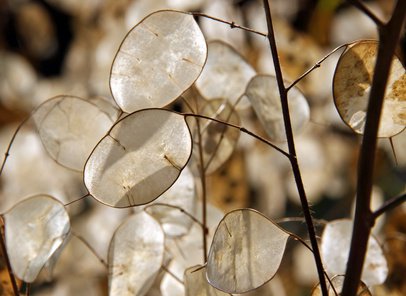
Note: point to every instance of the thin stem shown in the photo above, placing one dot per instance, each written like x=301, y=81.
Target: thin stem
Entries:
x=292, y=150
x=232, y=25
x=7, y=259
x=315, y=66
x=389, y=204
x=300, y=219
x=76, y=200
x=7, y=153
x=361, y=6
x=164, y=268
x=242, y=129
x=364, y=218
x=28, y=289
x=193, y=218
x=393, y=150
x=204, y=192
x=80, y=238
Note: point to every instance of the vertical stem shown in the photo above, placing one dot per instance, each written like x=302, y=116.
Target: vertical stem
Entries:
x=204, y=192
x=202, y=179
x=292, y=150
x=363, y=220
x=393, y=151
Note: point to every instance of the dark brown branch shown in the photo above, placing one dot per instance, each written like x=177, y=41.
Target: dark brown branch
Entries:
x=364, y=218
x=231, y=24
x=361, y=6
x=389, y=205
x=292, y=150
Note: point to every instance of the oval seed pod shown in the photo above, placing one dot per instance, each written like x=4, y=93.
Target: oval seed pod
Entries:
x=35, y=229
x=352, y=84
x=225, y=75
x=157, y=61
x=135, y=255
x=70, y=127
x=246, y=251
x=263, y=93
x=335, y=247
x=139, y=159
x=182, y=194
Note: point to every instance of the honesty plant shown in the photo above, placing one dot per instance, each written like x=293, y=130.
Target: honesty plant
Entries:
x=141, y=154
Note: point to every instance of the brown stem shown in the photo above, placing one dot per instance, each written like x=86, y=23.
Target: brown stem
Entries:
x=7, y=153
x=393, y=150
x=242, y=129
x=78, y=199
x=361, y=6
x=231, y=24
x=363, y=220
x=204, y=192
x=81, y=239
x=316, y=65
x=389, y=204
x=164, y=268
x=292, y=150
x=193, y=218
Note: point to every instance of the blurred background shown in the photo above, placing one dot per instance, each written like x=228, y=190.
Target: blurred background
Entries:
x=54, y=47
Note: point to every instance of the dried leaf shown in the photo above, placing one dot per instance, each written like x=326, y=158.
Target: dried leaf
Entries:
x=135, y=255
x=352, y=86
x=246, y=251
x=34, y=228
x=225, y=75
x=335, y=246
x=139, y=159
x=263, y=93
x=158, y=60
x=70, y=127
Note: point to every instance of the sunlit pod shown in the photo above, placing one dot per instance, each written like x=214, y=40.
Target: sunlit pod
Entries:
x=157, y=61
x=135, y=255
x=246, y=251
x=263, y=93
x=225, y=75
x=352, y=87
x=335, y=246
x=70, y=127
x=35, y=229
x=182, y=194
x=139, y=159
